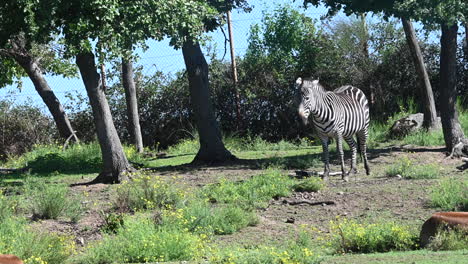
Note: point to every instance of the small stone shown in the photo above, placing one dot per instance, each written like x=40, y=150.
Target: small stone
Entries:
x=290, y=220
x=340, y=193
x=398, y=176
x=80, y=241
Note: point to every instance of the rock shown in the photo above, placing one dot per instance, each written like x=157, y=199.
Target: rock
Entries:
x=340, y=193
x=80, y=241
x=398, y=176
x=290, y=220
x=408, y=125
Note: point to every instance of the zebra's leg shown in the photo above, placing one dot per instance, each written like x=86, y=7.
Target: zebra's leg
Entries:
x=362, y=138
x=339, y=147
x=326, y=158
x=352, y=144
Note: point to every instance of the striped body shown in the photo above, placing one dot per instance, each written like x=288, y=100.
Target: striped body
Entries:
x=340, y=114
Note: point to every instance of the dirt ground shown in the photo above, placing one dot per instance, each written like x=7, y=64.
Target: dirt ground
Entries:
x=363, y=197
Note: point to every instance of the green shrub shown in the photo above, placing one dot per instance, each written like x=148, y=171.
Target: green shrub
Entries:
x=356, y=237
x=145, y=192
x=251, y=193
x=450, y=194
x=112, y=222
x=6, y=207
x=32, y=246
x=456, y=239
x=50, y=201
x=408, y=170
x=311, y=184
x=140, y=240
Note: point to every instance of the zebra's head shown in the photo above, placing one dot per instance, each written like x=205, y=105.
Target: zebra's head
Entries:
x=307, y=100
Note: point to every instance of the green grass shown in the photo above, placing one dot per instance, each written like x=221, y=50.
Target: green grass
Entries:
x=416, y=257
x=83, y=158
x=251, y=193
x=33, y=246
x=311, y=184
x=299, y=249
x=450, y=194
x=50, y=201
x=407, y=169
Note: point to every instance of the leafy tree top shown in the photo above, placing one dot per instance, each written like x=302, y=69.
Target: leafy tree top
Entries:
x=429, y=12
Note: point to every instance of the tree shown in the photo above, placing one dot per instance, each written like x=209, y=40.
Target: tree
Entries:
x=432, y=13
x=212, y=149
x=430, y=114
x=34, y=59
x=132, y=104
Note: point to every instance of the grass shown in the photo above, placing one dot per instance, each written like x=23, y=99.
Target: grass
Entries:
x=408, y=170
x=50, y=201
x=252, y=193
x=312, y=184
x=450, y=194
x=417, y=257
x=145, y=192
x=33, y=246
x=83, y=158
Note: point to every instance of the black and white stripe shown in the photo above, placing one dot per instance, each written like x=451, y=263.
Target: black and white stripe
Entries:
x=340, y=114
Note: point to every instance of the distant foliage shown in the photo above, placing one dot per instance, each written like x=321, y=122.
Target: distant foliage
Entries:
x=21, y=127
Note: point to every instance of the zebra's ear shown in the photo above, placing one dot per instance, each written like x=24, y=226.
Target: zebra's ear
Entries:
x=315, y=82
x=299, y=81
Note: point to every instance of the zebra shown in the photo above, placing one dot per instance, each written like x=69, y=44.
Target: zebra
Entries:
x=339, y=114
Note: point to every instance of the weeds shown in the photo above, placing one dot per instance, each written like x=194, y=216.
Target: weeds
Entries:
x=450, y=194
x=141, y=241
x=455, y=239
x=408, y=170
x=146, y=192
x=351, y=236
x=31, y=246
x=251, y=193
x=49, y=201
x=312, y=184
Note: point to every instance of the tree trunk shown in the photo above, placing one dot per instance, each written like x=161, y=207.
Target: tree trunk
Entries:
x=453, y=132
x=115, y=163
x=30, y=65
x=132, y=104
x=430, y=114
x=212, y=149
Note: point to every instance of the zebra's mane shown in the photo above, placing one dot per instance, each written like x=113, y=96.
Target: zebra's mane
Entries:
x=311, y=83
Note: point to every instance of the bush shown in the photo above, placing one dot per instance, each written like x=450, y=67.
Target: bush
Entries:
x=23, y=126
x=450, y=194
x=50, y=201
x=350, y=236
x=32, y=246
x=255, y=192
x=311, y=184
x=146, y=192
x=408, y=170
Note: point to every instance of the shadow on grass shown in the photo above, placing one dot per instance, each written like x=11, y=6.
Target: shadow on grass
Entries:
x=301, y=162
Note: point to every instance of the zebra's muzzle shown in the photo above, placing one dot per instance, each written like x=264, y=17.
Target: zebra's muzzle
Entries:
x=304, y=114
